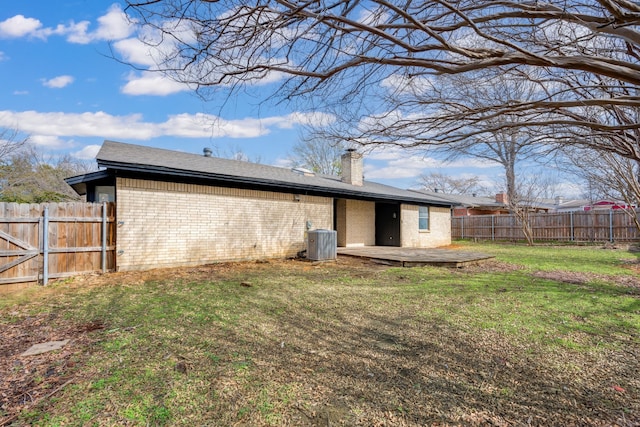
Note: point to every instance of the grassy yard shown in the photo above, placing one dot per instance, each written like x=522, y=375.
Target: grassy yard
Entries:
x=540, y=336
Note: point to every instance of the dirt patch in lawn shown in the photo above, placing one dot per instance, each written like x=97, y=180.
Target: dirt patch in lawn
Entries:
x=384, y=367
x=29, y=380
x=489, y=266
x=580, y=278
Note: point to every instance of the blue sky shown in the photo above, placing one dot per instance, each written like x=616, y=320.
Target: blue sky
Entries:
x=62, y=87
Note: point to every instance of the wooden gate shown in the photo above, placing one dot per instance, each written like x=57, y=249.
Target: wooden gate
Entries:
x=39, y=242
x=13, y=258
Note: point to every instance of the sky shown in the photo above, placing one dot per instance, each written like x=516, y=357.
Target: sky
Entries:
x=62, y=86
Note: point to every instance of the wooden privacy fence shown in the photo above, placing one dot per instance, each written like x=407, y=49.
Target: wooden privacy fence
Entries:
x=592, y=226
x=39, y=242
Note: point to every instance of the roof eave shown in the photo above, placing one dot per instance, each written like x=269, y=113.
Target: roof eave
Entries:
x=355, y=193
x=79, y=182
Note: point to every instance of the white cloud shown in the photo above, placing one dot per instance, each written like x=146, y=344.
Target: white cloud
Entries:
x=400, y=163
x=295, y=119
x=19, y=26
x=78, y=124
x=150, y=45
x=416, y=156
x=21, y=92
x=76, y=33
x=133, y=127
x=150, y=83
x=204, y=125
x=111, y=26
x=391, y=172
x=307, y=119
x=114, y=25
x=157, y=84
x=58, y=82
x=87, y=153
x=134, y=51
x=48, y=141
x=397, y=163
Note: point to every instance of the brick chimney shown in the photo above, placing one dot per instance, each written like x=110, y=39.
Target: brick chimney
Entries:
x=352, y=169
x=502, y=198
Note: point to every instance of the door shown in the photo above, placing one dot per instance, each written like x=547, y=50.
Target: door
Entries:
x=387, y=224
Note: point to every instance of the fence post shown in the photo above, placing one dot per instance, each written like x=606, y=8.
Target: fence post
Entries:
x=462, y=226
x=104, y=237
x=45, y=247
x=611, y=225
x=493, y=225
x=571, y=225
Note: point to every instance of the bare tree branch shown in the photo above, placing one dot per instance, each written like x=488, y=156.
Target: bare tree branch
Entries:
x=383, y=66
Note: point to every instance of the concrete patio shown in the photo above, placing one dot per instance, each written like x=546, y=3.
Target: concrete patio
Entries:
x=416, y=257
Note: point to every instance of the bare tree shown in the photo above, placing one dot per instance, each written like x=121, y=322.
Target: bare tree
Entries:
x=501, y=139
x=609, y=175
x=10, y=143
x=530, y=190
x=235, y=153
x=347, y=56
x=451, y=185
x=318, y=155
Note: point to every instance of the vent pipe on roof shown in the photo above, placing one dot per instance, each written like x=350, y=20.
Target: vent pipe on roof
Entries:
x=207, y=151
x=436, y=190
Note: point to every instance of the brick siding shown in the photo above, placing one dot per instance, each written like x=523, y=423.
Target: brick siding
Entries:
x=167, y=224
x=356, y=223
x=439, y=233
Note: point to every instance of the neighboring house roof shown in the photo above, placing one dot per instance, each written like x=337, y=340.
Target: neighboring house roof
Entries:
x=489, y=203
x=557, y=204
x=465, y=200
x=137, y=159
x=569, y=205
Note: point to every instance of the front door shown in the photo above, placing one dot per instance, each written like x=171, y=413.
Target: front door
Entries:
x=387, y=224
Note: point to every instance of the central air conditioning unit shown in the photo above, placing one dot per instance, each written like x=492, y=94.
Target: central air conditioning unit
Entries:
x=322, y=245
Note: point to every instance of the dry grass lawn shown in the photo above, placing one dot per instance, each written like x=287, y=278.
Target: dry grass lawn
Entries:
x=341, y=343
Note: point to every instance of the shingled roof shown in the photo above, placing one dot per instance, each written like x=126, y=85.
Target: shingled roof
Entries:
x=119, y=158
x=465, y=200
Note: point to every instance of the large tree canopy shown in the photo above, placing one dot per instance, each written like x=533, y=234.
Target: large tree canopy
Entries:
x=28, y=176
x=384, y=66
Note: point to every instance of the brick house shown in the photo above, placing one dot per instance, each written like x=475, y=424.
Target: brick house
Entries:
x=179, y=209
x=471, y=205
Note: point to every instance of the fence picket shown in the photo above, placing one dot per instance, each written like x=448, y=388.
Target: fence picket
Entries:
x=592, y=226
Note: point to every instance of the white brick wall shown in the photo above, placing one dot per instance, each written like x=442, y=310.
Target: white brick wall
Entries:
x=356, y=223
x=169, y=224
x=439, y=233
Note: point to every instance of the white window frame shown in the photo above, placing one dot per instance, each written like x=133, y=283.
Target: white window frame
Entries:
x=421, y=216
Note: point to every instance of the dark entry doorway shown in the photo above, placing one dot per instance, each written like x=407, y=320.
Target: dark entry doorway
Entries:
x=387, y=224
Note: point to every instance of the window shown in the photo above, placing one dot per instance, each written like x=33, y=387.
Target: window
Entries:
x=105, y=193
x=423, y=218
